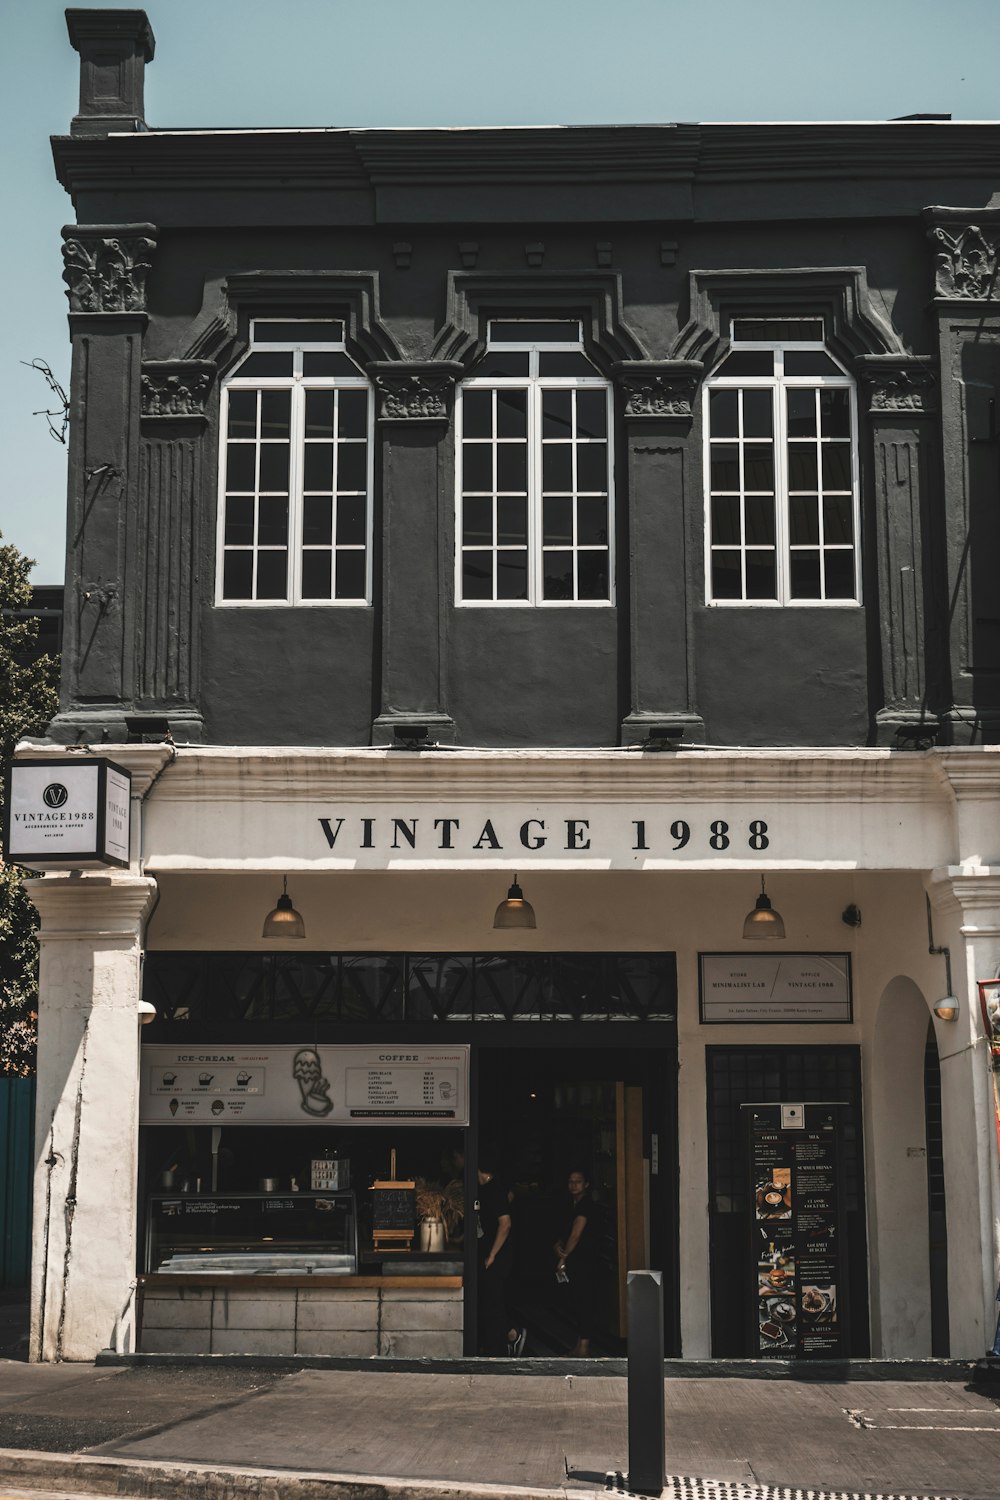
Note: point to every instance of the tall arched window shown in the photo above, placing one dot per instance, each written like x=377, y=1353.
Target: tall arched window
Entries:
x=781, y=469
x=295, y=470
x=535, y=499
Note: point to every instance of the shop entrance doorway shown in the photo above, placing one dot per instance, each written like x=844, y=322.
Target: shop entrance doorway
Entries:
x=610, y=1114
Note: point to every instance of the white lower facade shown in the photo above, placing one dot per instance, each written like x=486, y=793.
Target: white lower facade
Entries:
x=618, y=852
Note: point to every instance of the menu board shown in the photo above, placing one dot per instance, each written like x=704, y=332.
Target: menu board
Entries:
x=798, y=1253
x=221, y=1085
x=394, y=1207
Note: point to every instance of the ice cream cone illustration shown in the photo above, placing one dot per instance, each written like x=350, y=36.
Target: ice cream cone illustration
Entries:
x=308, y=1073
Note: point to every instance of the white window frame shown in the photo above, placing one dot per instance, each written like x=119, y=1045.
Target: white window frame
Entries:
x=298, y=384
x=778, y=382
x=534, y=384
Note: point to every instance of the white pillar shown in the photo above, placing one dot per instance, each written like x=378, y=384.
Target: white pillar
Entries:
x=966, y=907
x=87, y=1109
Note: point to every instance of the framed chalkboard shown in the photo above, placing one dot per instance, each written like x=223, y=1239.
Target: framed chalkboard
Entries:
x=394, y=1212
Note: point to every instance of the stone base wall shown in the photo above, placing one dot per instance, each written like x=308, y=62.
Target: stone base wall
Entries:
x=400, y=1321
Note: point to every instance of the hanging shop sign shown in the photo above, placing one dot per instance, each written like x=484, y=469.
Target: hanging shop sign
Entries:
x=782, y=988
x=67, y=812
x=797, y=1248
x=304, y=1085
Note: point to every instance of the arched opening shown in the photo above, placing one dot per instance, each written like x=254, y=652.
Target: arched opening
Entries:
x=909, y=1252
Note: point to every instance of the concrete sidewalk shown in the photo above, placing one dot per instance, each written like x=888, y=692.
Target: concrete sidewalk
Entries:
x=373, y=1434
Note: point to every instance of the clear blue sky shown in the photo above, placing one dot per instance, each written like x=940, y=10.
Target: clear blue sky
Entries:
x=436, y=62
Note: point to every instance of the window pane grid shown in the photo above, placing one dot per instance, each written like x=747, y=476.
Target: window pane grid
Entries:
x=782, y=521
x=294, y=526
x=534, y=491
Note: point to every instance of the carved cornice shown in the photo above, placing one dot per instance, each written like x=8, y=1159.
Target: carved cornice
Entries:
x=107, y=265
x=415, y=392
x=594, y=296
x=855, y=324
x=659, y=389
x=91, y=906
x=176, y=388
x=966, y=263
x=898, y=385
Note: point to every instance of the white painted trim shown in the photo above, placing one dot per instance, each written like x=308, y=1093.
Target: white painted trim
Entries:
x=777, y=382
x=297, y=384
x=535, y=384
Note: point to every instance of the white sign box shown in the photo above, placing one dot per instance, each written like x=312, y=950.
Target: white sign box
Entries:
x=218, y=1085
x=71, y=812
x=775, y=987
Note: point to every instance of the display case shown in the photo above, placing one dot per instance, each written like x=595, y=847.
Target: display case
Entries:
x=252, y=1233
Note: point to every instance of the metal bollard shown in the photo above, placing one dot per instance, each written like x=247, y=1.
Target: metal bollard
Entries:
x=646, y=1424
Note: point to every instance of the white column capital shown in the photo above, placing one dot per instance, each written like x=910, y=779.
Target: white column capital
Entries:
x=972, y=893
x=87, y=905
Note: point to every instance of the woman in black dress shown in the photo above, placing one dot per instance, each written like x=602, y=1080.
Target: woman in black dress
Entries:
x=576, y=1259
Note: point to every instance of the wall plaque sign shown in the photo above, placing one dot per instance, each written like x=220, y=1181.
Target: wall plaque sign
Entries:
x=782, y=988
x=302, y=1085
x=67, y=812
x=796, y=1265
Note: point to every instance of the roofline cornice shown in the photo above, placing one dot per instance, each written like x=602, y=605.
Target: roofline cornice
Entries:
x=306, y=774
x=623, y=154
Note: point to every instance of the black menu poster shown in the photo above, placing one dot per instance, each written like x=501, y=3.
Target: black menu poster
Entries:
x=798, y=1254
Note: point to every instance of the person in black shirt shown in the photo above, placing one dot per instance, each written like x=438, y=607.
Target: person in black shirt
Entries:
x=576, y=1259
x=497, y=1335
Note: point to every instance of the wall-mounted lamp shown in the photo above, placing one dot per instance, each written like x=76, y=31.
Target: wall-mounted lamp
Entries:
x=513, y=910
x=947, y=1007
x=147, y=1012
x=851, y=916
x=763, y=922
x=284, y=921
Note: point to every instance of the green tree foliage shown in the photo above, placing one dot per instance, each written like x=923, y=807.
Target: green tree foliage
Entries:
x=28, y=699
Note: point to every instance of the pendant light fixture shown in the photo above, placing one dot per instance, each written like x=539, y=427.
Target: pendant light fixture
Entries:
x=514, y=911
x=284, y=921
x=763, y=922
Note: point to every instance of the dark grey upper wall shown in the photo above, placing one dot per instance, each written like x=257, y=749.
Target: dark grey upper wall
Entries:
x=415, y=236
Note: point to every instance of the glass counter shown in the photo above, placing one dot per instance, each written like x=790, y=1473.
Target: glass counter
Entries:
x=252, y=1233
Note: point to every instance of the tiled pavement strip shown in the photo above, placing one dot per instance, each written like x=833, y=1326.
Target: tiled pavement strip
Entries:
x=325, y=1434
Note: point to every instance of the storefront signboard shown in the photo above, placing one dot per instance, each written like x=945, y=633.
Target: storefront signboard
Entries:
x=797, y=1252
x=775, y=987
x=67, y=812
x=293, y=1085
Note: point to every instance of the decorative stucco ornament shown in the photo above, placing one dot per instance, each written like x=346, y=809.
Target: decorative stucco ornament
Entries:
x=658, y=395
x=966, y=265
x=107, y=272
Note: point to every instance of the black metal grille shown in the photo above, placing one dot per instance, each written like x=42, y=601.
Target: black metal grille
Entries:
x=400, y=988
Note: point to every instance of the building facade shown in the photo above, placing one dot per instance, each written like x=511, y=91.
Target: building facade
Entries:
x=608, y=512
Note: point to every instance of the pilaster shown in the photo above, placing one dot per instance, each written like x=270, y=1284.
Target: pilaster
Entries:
x=966, y=907
x=657, y=399
x=414, y=402
x=174, y=435
x=106, y=270
x=966, y=307
x=87, y=1109
x=899, y=395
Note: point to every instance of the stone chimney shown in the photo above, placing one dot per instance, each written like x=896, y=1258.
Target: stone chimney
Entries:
x=114, y=48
